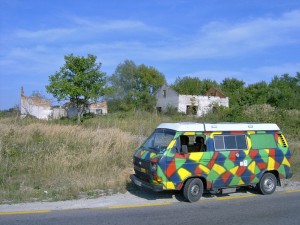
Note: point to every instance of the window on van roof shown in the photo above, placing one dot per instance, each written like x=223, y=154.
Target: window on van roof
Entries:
x=262, y=141
x=230, y=142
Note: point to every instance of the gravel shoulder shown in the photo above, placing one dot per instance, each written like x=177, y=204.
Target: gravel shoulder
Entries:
x=134, y=197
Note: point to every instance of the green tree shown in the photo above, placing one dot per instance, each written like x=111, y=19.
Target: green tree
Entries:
x=208, y=83
x=193, y=85
x=188, y=85
x=235, y=90
x=285, y=91
x=79, y=80
x=122, y=83
x=257, y=93
x=134, y=86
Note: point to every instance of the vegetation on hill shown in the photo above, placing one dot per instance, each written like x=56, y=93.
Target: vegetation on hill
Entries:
x=58, y=160
x=282, y=92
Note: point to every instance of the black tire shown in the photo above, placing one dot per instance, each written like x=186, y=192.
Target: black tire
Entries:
x=193, y=190
x=267, y=184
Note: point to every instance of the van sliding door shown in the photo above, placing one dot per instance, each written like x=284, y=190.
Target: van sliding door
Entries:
x=230, y=161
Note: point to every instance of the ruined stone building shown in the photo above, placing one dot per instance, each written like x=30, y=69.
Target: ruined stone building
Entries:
x=35, y=106
x=189, y=104
x=41, y=108
x=98, y=108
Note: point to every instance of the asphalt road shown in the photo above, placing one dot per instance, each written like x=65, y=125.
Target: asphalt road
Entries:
x=278, y=208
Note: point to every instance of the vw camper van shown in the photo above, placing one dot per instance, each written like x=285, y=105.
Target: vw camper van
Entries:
x=194, y=157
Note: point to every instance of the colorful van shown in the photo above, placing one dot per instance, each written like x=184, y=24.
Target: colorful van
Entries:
x=194, y=157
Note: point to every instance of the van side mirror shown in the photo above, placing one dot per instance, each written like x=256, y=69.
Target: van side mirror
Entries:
x=184, y=149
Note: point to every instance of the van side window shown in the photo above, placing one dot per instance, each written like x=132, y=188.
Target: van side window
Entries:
x=262, y=141
x=199, y=145
x=193, y=143
x=230, y=142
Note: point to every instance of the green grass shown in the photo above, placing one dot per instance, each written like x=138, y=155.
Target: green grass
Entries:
x=58, y=160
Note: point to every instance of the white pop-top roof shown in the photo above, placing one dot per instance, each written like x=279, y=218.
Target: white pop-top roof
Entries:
x=191, y=126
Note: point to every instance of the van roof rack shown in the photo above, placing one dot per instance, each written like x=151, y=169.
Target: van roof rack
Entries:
x=223, y=126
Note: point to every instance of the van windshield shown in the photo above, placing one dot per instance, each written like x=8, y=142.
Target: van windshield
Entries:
x=159, y=140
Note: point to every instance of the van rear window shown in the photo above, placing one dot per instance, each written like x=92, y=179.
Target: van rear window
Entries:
x=262, y=141
x=230, y=142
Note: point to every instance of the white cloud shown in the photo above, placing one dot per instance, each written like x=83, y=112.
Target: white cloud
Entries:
x=213, y=40
x=111, y=25
x=46, y=34
x=85, y=30
x=218, y=39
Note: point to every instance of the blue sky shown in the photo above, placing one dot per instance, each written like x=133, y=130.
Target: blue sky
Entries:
x=249, y=40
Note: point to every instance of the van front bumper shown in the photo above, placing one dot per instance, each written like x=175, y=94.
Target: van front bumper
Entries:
x=141, y=183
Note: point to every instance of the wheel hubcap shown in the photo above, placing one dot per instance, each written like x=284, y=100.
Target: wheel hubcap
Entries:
x=269, y=184
x=195, y=190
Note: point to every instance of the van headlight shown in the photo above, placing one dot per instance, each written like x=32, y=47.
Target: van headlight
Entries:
x=153, y=167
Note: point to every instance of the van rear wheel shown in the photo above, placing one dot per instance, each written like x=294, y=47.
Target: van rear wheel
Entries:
x=267, y=184
x=193, y=190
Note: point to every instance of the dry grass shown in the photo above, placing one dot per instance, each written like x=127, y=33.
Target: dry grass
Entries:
x=50, y=161
x=138, y=123
x=295, y=149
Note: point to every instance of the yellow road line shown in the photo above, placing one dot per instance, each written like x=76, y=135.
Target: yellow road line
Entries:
x=138, y=205
x=234, y=197
x=25, y=212
x=293, y=191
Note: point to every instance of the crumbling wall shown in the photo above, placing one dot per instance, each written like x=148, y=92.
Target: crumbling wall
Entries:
x=166, y=96
x=98, y=108
x=35, y=106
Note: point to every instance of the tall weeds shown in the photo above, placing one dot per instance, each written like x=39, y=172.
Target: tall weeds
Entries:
x=50, y=161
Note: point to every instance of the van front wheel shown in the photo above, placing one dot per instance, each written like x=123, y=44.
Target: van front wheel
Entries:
x=193, y=190
x=267, y=184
